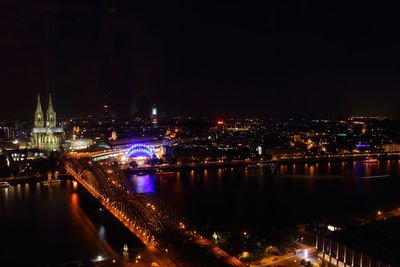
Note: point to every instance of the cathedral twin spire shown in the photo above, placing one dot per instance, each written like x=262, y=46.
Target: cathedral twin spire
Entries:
x=50, y=121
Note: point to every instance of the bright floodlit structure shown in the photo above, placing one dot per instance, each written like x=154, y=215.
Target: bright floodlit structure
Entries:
x=140, y=150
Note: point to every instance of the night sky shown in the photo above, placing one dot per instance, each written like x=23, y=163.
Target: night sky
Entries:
x=214, y=58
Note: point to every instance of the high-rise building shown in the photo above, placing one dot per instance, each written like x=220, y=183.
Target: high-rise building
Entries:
x=154, y=119
x=45, y=133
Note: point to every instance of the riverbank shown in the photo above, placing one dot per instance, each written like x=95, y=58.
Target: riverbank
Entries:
x=29, y=178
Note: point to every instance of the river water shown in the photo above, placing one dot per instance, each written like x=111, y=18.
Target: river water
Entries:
x=58, y=224
x=248, y=199
x=51, y=225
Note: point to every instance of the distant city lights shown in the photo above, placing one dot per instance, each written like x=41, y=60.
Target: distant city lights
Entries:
x=363, y=145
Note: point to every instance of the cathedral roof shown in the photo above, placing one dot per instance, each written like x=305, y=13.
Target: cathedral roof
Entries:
x=50, y=107
x=38, y=105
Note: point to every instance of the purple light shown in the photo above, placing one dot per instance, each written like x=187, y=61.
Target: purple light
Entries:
x=362, y=145
x=140, y=150
x=144, y=183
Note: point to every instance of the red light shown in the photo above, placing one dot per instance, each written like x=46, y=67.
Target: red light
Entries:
x=239, y=144
x=220, y=122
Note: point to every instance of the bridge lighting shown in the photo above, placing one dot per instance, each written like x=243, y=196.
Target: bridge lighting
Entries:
x=99, y=258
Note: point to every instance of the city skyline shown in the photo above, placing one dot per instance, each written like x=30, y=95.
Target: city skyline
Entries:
x=199, y=133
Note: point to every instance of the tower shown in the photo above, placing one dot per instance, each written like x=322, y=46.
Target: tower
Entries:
x=154, y=112
x=39, y=122
x=50, y=115
x=45, y=134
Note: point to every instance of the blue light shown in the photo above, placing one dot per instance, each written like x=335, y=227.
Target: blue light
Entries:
x=144, y=183
x=139, y=150
x=362, y=145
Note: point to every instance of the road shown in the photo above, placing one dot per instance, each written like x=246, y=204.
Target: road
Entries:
x=293, y=260
x=217, y=251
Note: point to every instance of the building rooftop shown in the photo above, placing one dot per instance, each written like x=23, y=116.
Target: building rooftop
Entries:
x=123, y=142
x=380, y=239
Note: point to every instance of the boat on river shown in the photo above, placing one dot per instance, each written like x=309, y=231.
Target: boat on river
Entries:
x=376, y=176
x=164, y=173
x=4, y=184
x=369, y=160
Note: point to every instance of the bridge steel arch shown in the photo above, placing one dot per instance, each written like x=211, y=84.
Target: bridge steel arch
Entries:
x=149, y=217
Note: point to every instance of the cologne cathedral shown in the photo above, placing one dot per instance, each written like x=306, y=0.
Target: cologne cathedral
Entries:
x=45, y=133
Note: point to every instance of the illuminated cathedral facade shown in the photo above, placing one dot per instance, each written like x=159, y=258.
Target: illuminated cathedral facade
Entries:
x=45, y=133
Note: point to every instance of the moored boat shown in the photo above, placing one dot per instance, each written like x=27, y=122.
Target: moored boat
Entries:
x=369, y=160
x=4, y=184
x=163, y=173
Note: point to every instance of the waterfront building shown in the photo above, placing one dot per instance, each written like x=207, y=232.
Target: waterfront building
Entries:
x=77, y=144
x=45, y=133
x=373, y=244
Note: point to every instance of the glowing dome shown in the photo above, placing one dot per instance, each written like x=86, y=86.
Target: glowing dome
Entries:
x=140, y=150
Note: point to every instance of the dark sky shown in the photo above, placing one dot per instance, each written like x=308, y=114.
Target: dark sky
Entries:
x=273, y=58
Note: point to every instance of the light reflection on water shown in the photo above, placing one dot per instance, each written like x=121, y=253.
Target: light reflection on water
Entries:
x=299, y=193
x=143, y=183
x=242, y=198
x=57, y=224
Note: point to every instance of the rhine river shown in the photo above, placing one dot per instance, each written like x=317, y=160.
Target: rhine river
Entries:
x=52, y=225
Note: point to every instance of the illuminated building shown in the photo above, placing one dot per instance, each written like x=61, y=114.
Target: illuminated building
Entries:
x=113, y=135
x=75, y=132
x=136, y=149
x=154, y=111
x=19, y=155
x=140, y=150
x=45, y=133
x=373, y=244
x=78, y=144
